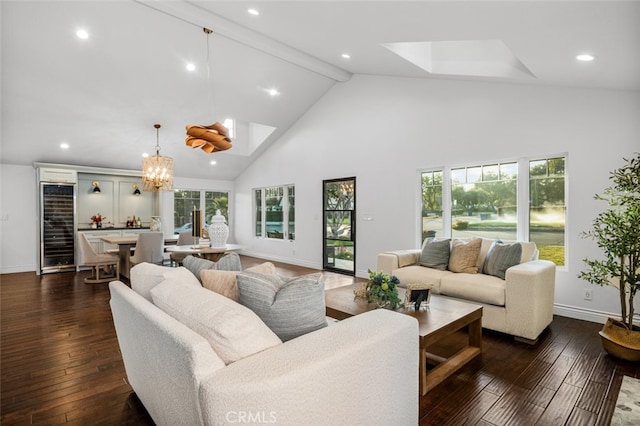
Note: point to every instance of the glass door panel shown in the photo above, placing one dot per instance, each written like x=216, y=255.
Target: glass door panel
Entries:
x=339, y=225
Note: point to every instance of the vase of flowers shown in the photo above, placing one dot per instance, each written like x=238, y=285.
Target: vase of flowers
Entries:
x=96, y=220
x=382, y=290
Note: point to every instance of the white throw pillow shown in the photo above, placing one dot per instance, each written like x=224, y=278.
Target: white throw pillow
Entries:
x=145, y=276
x=232, y=330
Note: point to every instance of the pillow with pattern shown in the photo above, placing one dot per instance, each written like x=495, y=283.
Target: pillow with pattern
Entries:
x=501, y=256
x=435, y=254
x=464, y=256
x=290, y=307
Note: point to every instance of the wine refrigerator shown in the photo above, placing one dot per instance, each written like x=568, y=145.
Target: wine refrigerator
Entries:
x=57, y=227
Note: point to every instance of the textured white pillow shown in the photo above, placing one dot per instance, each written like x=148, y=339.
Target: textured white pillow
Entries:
x=145, y=276
x=182, y=275
x=232, y=330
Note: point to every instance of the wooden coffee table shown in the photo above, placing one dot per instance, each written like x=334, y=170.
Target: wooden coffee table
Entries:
x=440, y=319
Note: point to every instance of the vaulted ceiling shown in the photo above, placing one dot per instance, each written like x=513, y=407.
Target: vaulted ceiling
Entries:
x=102, y=95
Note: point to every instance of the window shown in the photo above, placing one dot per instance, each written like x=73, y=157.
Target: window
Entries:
x=291, y=190
x=485, y=203
x=547, y=207
x=216, y=200
x=432, y=204
x=185, y=201
x=275, y=212
x=258, y=208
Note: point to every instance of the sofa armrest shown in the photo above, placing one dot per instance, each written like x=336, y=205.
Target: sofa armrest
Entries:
x=348, y=373
x=390, y=260
x=162, y=357
x=530, y=293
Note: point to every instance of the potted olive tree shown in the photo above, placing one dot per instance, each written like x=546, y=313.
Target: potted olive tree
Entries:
x=617, y=232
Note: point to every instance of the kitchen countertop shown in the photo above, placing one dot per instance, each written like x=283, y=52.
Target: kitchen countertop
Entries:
x=115, y=228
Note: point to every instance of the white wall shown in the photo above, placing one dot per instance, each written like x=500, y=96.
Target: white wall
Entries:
x=19, y=219
x=383, y=130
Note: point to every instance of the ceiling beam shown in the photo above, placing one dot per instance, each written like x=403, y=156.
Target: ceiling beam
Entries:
x=193, y=14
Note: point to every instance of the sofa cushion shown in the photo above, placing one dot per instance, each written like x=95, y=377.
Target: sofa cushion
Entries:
x=233, y=331
x=479, y=288
x=464, y=256
x=484, y=249
x=291, y=307
x=420, y=275
x=228, y=262
x=435, y=254
x=145, y=276
x=529, y=251
x=225, y=283
x=405, y=257
x=501, y=257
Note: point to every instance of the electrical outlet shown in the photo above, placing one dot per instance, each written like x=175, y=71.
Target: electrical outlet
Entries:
x=588, y=294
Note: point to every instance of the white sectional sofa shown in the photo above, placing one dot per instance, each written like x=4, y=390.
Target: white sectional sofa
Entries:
x=521, y=304
x=360, y=371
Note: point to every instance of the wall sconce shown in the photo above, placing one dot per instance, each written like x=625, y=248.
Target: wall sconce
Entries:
x=96, y=186
x=136, y=190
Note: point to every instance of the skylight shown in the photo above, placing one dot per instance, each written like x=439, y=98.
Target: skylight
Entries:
x=480, y=58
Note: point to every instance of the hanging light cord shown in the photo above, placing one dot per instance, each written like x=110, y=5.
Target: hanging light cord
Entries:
x=209, y=102
x=157, y=126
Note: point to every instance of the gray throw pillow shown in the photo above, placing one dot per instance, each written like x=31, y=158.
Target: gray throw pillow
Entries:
x=228, y=262
x=290, y=307
x=501, y=257
x=435, y=254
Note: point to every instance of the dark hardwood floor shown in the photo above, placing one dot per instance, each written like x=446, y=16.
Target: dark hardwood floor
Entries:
x=60, y=363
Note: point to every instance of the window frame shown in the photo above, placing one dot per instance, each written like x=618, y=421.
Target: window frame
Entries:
x=523, y=203
x=260, y=229
x=203, y=205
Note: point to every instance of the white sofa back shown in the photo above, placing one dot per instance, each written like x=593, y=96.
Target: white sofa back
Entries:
x=360, y=371
x=165, y=360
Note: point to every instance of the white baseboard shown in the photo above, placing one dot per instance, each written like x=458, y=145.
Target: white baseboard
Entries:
x=587, y=314
x=16, y=269
x=288, y=260
x=297, y=262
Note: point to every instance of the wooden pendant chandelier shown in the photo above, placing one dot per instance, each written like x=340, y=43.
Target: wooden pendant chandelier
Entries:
x=211, y=138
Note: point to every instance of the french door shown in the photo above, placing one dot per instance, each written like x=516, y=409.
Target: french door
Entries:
x=339, y=225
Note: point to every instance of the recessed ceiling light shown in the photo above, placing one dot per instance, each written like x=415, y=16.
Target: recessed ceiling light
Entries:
x=212, y=162
x=82, y=33
x=145, y=155
x=64, y=145
x=346, y=56
x=585, y=57
x=191, y=67
x=253, y=12
x=273, y=92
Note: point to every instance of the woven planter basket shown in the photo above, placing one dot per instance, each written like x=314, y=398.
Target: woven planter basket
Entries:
x=619, y=341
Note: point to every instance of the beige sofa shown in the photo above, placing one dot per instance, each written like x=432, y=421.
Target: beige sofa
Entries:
x=520, y=305
x=340, y=374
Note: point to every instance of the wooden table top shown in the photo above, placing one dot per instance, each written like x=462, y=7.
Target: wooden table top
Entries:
x=134, y=239
x=202, y=249
x=436, y=320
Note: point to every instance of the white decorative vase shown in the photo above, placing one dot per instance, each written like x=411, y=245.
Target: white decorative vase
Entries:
x=156, y=224
x=218, y=231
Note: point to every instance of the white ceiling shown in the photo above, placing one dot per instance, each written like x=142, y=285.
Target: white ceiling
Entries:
x=103, y=95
